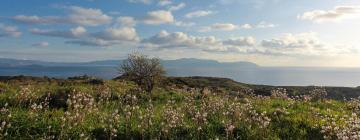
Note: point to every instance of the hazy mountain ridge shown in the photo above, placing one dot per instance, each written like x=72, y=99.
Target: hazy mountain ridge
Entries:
x=184, y=62
x=245, y=72
x=108, y=68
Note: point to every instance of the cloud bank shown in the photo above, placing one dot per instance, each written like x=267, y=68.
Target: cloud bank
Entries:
x=339, y=13
x=77, y=16
x=9, y=31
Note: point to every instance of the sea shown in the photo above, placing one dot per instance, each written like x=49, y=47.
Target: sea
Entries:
x=277, y=76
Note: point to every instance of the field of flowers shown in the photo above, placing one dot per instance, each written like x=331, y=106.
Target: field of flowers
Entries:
x=120, y=110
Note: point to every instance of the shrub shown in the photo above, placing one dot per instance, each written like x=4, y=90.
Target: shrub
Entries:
x=144, y=71
x=59, y=98
x=96, y=81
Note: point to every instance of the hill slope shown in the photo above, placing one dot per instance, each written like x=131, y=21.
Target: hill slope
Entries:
x=212, y=83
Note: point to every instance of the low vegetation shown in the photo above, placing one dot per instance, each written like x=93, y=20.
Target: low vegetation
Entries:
x=88, y=108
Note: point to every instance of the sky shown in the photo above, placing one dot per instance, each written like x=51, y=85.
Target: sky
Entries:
x=322, y=33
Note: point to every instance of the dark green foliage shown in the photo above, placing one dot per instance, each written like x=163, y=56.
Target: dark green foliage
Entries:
x=214, y=83
x=201, y=82
x=96, y=82
x=100, y=134
x=286, y=128
x=58, y=98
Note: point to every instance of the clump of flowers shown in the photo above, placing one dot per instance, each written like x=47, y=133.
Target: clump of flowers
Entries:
x=354, y=105
x=25, y=96
x=172, y=117
x=233, y=113
x=79, y=105
x=318, y=93
x=6, y=123
x=131, y=108
x=215, y=105
x=197, y=112
x=349, y=130
x=42, y=105
x=37, y=107
x=304, y=98
x=256, y=119
x=112, y=122
x=279, y=93
x=146, y=118
x=104, y=94
x=78, y=101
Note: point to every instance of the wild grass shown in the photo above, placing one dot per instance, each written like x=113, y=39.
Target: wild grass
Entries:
x=120, y=110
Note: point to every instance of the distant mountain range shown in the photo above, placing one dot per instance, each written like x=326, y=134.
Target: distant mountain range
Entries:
x=245, y=72
x=184, y=62
x=108, y=68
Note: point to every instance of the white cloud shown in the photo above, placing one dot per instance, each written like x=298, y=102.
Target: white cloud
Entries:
x=258, y=4
x=200, y=13
x=337, y=14
x=109, y=37
x=224, y=26
x=41, y=44
x=78, y=31
x=92, y=42
x=164, y=2
x=302, y=40
x=299, y=44
x=159, y=17
x=264, y=24
x=119, y=34
x=177, y=7
x=72, y=33
x=153, y=18
x=241, y=41
x=166, y=40
x=88, y=16
x=184, y=24
x=232, y=27
x=219, y=27
x=246, y=26
x=9, y=31
x=126, y=21
x=38, y=20
x=292, y=45
x=78, y=16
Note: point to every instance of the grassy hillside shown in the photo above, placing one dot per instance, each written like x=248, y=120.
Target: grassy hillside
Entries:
x=182, y=108
x=201, y=82
x=228, y=85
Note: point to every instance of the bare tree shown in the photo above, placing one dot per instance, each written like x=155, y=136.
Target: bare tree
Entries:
x=144, y=71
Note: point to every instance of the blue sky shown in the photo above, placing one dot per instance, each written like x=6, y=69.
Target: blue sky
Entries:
x=266, y=32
